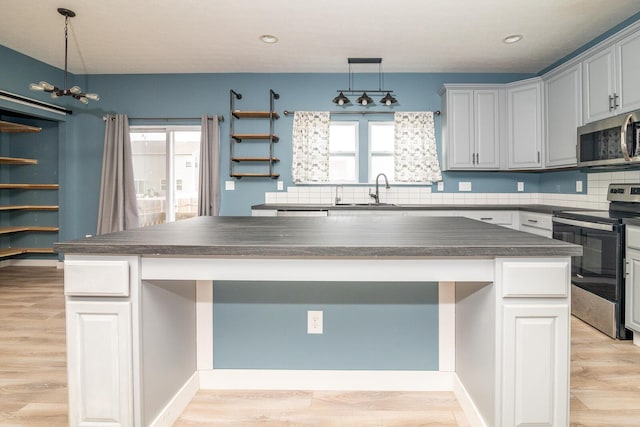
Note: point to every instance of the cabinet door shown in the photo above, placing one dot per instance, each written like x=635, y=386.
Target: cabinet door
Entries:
x=535, y=380
x=460, y=129
x=99, y=361
x=632, y=290
x=486, y=129
x=598, y=85
x=525, y=126
x=563, y=101
x=628, y=66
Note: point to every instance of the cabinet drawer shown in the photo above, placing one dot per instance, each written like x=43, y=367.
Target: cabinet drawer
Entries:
x=633, y=237
x=540, y=279
x=536, y=220
x=96, y=278
x=492, y=217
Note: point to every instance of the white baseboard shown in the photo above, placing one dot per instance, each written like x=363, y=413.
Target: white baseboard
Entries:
x=468, y=406
x=274, y=379
x=172, y=411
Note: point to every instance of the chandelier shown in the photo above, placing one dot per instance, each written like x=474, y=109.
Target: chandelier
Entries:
x=55, y=91
x=365, y=99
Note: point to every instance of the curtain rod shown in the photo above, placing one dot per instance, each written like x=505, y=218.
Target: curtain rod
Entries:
x=220, y=118
x=287, y=113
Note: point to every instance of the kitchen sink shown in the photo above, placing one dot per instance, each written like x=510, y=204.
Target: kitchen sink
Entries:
x=368, y=205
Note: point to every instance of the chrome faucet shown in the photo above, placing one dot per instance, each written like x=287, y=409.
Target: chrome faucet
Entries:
x=376, y=196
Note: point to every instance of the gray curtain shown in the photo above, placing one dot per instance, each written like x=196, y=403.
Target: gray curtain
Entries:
x=118, y=208
x=208, y=180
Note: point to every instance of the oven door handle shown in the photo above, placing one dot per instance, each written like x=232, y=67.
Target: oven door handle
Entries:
x=584, y=224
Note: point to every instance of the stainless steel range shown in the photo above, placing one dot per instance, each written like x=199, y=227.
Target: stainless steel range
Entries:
x=597, y=277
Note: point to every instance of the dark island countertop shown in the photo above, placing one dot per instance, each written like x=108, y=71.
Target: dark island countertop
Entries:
x=547, y=209
x=348, y=237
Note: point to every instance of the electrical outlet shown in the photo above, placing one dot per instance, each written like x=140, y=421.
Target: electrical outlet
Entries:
x=578, y=186
x=440, y=186
x=520, y=186
x=464, y=186
x=314, y=322
x=229, y=185
x=280, y=185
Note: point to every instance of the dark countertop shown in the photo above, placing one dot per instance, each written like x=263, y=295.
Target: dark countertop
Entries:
x=374, y=236
x=550, y=209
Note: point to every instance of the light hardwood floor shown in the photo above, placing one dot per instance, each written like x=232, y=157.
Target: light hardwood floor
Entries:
x=605, y=377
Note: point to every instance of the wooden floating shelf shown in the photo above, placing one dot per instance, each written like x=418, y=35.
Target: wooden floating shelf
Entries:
x=254, y=159
x=19, y=251
x=254, y=114
x=255, y=175
x=29, y=208
x=19, y=228
x=17, y=127
x=17, y=161
x=254, y=136
x=29, y=186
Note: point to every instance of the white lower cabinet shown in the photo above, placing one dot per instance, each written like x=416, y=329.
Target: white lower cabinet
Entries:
x=535, y=354
x=536, y=223
x=632, y=282
x=99, y=363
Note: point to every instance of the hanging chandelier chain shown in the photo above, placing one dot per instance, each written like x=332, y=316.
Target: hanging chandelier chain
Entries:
x=66, y=48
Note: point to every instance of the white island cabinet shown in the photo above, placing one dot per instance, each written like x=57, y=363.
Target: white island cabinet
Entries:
x=632, y=282
x=140, y=303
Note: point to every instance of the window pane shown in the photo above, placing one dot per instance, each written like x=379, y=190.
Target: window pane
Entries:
x=149, y=169
x=342, y=168
x=382, y=164
x=381, y=137
x=342, y=137
x=186, y=161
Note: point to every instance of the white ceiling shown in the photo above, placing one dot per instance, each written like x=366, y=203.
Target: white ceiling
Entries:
x=207, y=36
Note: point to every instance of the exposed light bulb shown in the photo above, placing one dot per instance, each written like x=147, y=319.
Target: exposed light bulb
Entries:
x=36, y=86
x=54, y=95
x=83, y=99
x=47, y=86
x=387, y=102
x=92, y=96
x=364, y=102
x=75, y=89
x=341, y=102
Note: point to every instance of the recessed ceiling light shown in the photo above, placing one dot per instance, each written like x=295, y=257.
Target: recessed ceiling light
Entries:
x=268, y=38
x=514, y=38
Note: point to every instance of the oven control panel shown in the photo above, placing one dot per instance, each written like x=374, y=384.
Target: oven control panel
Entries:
x=624, y=193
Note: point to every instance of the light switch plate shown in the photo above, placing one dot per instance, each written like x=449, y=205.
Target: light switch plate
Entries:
x=280, y=185
x=520, y=186
x=464, y=186
x=229, y=185
x=578, y=186
x=441, y=186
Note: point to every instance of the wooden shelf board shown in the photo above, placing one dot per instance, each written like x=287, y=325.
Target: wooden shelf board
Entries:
x=17, y=161
x=29, y=208
x=19, y=251
x=253, y=114
x=265, y=136
x=255, y=175
x=19, y=228
x=29, y=186
x=254, y=159
x=17, y=127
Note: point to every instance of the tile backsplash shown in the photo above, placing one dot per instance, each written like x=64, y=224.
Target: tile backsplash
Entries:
x=595, y=198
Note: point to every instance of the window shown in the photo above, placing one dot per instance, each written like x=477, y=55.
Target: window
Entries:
x=343, y=152
x=381, y=151
x=164, y=155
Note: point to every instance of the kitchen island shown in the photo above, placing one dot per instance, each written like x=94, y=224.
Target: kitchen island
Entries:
x=139, y=311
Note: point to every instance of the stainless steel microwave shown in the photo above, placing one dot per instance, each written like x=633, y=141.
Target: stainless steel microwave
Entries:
x=610, y=142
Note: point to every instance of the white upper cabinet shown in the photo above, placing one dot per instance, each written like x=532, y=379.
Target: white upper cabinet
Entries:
x=611, y=83
x=471, y=127
x=524, y=124
x=563, y=115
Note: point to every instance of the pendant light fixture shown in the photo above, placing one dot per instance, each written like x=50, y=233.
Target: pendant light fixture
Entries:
x=55, y=91
x=365, y=99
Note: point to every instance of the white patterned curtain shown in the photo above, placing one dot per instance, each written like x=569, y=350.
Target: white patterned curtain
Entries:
x=310, y=146
x=415, y=154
